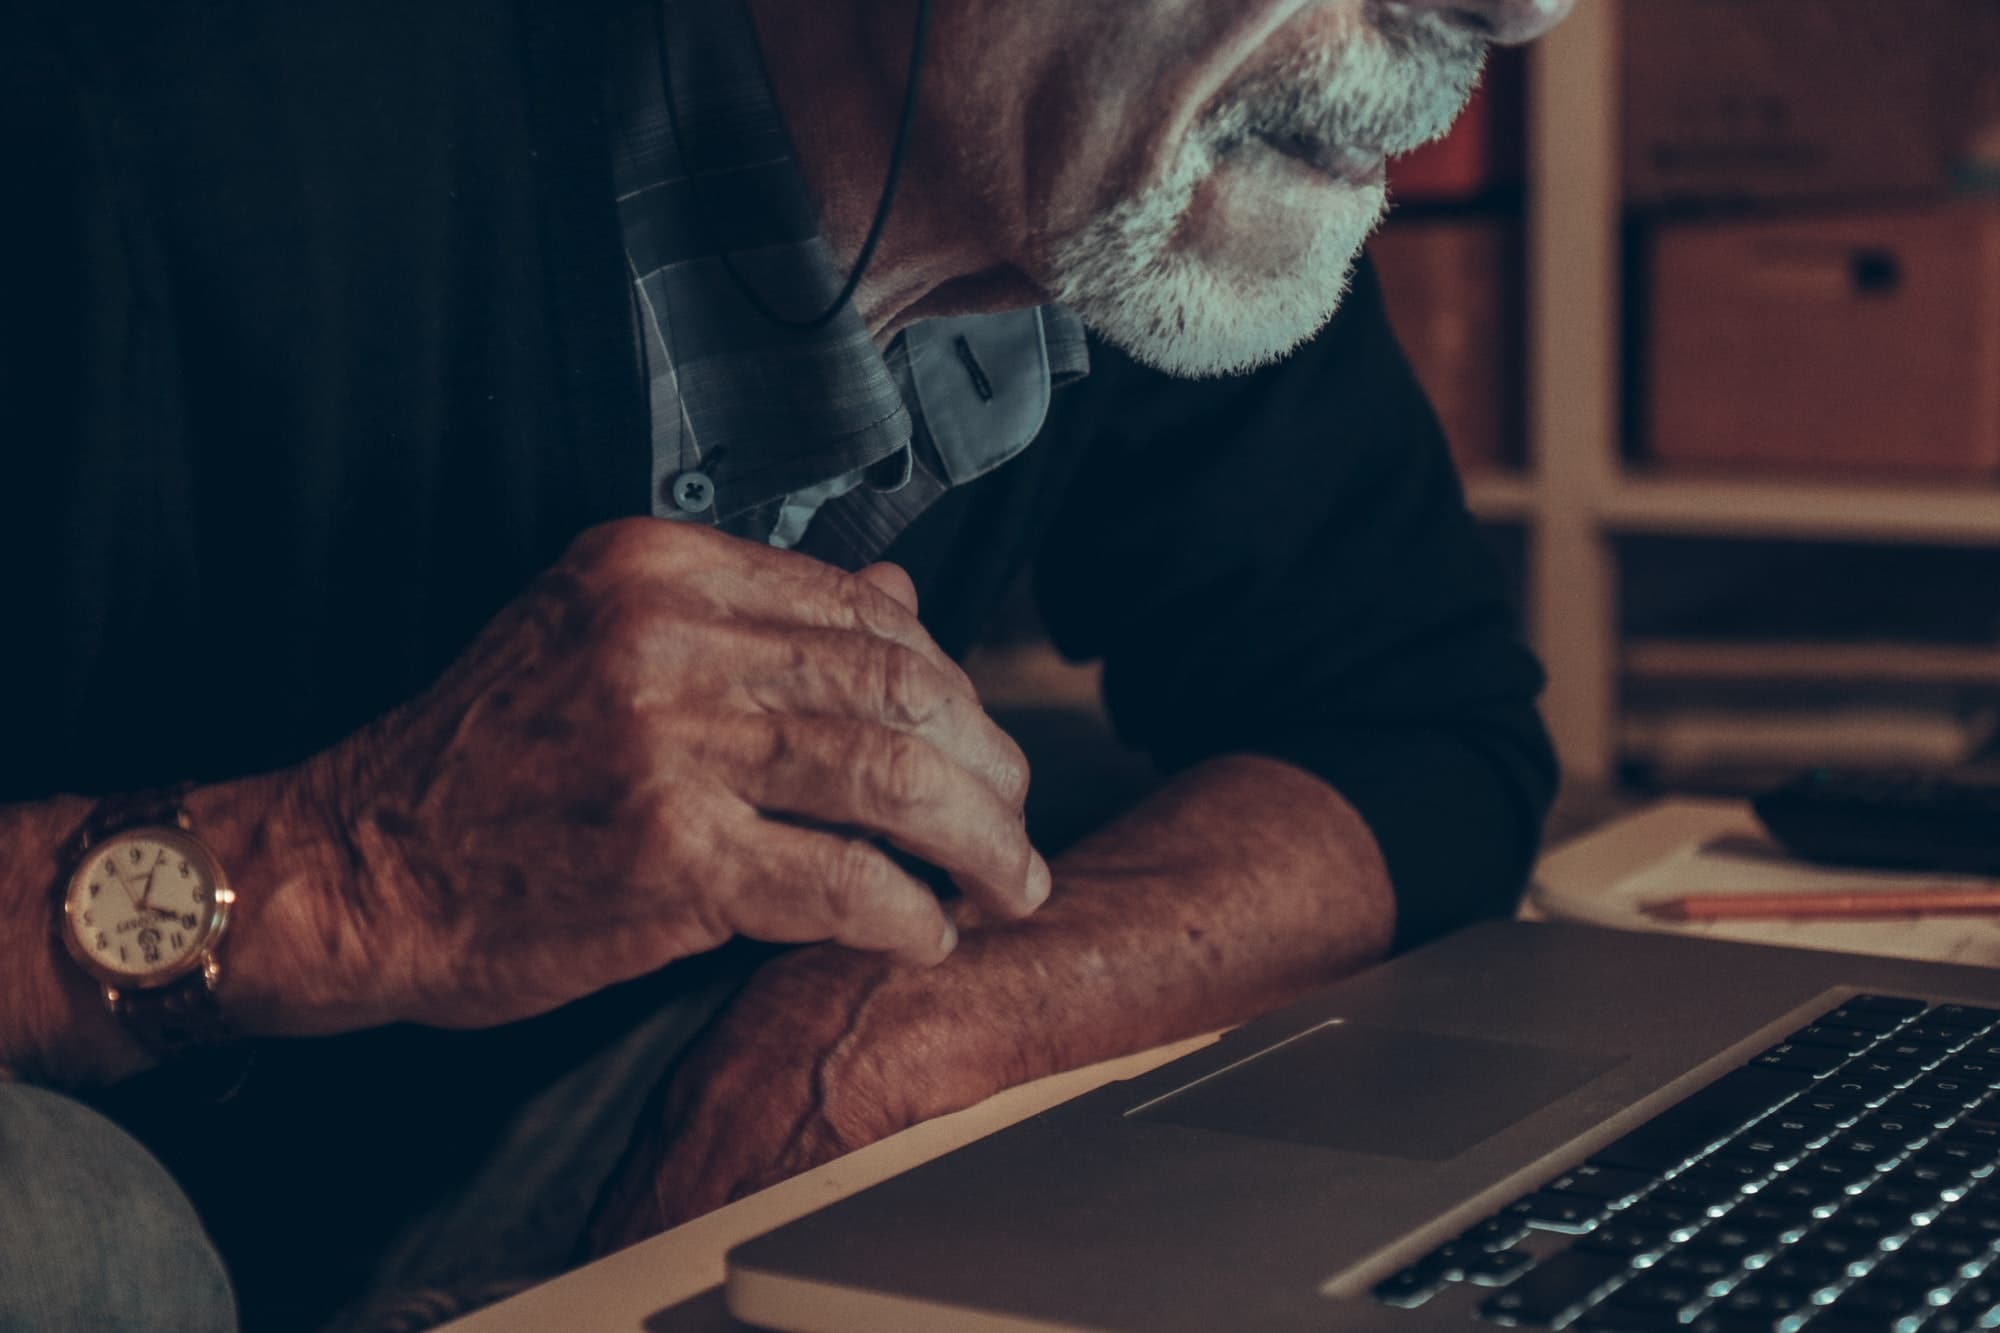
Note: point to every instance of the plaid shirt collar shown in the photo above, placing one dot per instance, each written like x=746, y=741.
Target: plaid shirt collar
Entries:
x=759, y=428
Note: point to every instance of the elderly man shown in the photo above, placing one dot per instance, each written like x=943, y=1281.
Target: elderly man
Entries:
x=497, y=491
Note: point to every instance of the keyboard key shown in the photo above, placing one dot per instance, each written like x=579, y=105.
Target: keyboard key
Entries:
x=1725, y=1172
x=1411, y=1287
x=1879, y=1071
x=1602, y=1320
x=1877, y=1154
x=1496, y=1233
x=1865, y=1215
x=1803, y=1192
x=1757, y=1211
x=1889, y=1195
x=1692, y=1125
x=1724, y=1240
x=1872, y=1090
x=1978, y=1228
x=1968, y=1309
x=1554, y=1288
x=1868, y=1019
x=1918, y=1173
x=1855, y=1321
x=1802, y=1272
x=1960, y=1016
x=1663, y=1214
x=1952, y=1152
x=1709, y=1196
x=1821, y=1103
x=1925, y=1030
x=1565, y=1213
x=1904, y=1047
x=1496, y=1268
x=1594, y=1181
x=1893, y=1004
x=1717, y=1320
x=1882, y=1295
x=1983, y=1071
x=1614, y=1237
x=1944, y=1088
x=1815, y=1060
x=1754, y=1296
x=1835, y=1246
x=1961, y=1251
x=1777, y=1149
x=1851, y=1040
x=1974, y=1131
x=1894, y=1128
x=1843, y=1171
x=1916, y=1275
x=1655, y=1290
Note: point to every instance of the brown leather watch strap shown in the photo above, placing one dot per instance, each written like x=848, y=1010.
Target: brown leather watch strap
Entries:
x=115, y=814
x=172, y=1019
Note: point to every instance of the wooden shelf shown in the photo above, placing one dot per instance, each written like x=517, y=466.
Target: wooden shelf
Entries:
x=1662, y=660
x=1501, y=497
x=1937, y=514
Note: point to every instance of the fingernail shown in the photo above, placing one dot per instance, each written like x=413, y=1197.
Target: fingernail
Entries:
x=1039, y=881
x=949, y=939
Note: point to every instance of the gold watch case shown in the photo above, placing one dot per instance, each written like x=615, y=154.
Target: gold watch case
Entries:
x=200, y=957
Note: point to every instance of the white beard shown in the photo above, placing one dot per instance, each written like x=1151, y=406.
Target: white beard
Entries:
x=1131, y=273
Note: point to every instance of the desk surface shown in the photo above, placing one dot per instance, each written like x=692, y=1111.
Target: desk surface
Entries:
x=670, y=1284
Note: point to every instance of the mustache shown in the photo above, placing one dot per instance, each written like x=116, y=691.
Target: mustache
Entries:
x=1388, y=90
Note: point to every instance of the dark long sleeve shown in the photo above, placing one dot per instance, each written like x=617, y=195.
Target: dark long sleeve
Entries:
x=1283, y=564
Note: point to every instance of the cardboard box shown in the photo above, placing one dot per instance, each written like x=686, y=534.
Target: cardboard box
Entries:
x=1454, y=292
x=1778, y=99
x=1862, y=344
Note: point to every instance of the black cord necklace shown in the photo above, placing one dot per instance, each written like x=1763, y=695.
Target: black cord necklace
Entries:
x=897, y=154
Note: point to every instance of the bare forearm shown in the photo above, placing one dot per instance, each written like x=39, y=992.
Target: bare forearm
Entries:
x=1244, y=884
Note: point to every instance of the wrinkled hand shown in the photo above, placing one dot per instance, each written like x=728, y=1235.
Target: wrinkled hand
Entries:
x=815, y=1059
x=671, y=738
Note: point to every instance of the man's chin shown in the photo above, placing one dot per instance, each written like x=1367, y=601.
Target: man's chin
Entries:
x=1196, y=320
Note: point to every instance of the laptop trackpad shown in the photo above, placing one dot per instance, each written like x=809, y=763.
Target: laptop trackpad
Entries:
x=1378, y=1090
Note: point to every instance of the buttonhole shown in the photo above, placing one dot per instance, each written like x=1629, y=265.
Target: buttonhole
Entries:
x=970, y=359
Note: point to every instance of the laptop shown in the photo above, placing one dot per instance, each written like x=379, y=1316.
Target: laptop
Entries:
x=1521, y=1125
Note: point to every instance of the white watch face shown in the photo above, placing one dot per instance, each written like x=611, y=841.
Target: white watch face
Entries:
x=143, y=906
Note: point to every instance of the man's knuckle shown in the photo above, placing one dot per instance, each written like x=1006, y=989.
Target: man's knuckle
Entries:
x=900, y=770
x=619, y=543
x=850, y=878
x=1012, y=776
x=907, y=696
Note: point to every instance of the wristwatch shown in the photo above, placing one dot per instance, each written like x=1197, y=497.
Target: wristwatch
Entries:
x=143, y=912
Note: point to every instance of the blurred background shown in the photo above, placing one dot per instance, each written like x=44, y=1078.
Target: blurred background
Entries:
x=1707, y=293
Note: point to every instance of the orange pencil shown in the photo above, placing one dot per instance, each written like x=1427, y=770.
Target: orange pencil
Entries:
x=1942, y=900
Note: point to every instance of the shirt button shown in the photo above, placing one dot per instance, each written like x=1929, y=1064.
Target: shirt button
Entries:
x=693, y=491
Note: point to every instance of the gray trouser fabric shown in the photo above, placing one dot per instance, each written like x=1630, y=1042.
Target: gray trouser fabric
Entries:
x=94, y=1235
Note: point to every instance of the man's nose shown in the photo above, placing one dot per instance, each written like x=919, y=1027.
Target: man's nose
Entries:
x=1507, y=22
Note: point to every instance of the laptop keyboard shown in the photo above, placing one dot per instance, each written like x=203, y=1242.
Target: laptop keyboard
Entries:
x=1841, y=1181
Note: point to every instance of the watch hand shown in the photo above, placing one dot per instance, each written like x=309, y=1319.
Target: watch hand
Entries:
x=111, y=864
x=146, y=896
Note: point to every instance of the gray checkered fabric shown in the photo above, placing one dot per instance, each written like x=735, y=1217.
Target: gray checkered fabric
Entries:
x=807, y=438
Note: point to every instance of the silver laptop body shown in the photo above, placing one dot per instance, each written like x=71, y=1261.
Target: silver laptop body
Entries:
x=1270, y=1181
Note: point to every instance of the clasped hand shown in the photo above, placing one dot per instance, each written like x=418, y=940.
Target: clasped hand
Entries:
x=673, y=737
